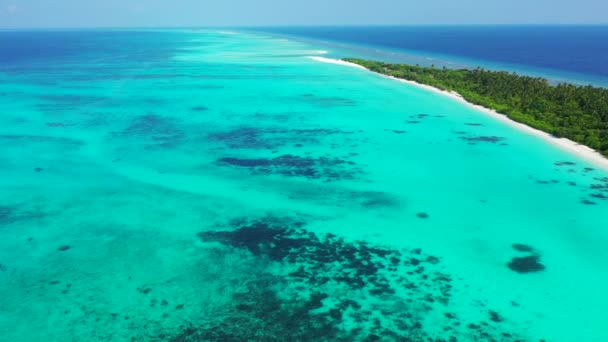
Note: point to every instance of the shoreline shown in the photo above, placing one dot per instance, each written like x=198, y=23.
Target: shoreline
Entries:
x=581, y=151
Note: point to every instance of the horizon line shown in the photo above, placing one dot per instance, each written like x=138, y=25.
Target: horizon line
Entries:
x=295, y=26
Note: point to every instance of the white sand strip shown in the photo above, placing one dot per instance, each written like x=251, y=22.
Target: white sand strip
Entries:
x=582, y=151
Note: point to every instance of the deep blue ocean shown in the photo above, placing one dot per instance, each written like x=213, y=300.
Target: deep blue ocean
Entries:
x=569, y=53
x=54, y=47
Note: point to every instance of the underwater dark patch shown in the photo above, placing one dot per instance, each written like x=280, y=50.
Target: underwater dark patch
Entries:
x=155, y=131
x=494, y=316
x=199, y=108
x=244, y=137
x=72, y=99
x=327, y=101
x=564, y=163
x=487, y=139
x=65, y=143
x=262, y=315
x=58, y=124
x=600, y=190
x=325, y=168
x=332, y=280
x=279, y=117
x=12, y=214
x=600, y=187
x=272, y=138
x=340, y=197
x=522, y=248
x=373, y=200
x=246, y=162
x=422, y=215
x=54, y=104
x=526, y=264
x=5, y=214
x=419, y=116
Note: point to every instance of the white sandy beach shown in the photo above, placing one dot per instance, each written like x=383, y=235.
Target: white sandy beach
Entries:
x=581, y=151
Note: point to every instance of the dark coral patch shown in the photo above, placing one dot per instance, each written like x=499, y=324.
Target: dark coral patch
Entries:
x=487, y=139
x=12, y=214
x=565, y=163
x=600, y=187
x=522, y=248
x=244, y=137
x=75, y=100
x=341, y=197
x=325, y=168
x=155, y=130
x=422, y=215
x=327, y=260
x=57, y=124
x=246, y=162
x=495, y=317
x=600, y=190
x=526, y=264
x=6, y=213
x=65, y=143
x=372, y=200
x=321, y=287
x=271, y=138
x=327, y=101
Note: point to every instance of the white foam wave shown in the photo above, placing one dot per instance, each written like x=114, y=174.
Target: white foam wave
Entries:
x=335, y=61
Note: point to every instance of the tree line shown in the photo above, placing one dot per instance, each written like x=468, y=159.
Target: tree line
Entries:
x=579, y=113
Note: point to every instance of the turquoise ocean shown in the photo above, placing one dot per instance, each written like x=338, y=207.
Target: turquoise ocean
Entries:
x=207, y=185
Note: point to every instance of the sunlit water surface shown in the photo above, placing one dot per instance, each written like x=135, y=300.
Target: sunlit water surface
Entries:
x=206, y=186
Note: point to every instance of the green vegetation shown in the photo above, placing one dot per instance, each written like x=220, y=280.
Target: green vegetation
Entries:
x=564, y=110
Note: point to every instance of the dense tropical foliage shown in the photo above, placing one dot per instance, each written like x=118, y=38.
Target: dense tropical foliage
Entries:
x=579, y=113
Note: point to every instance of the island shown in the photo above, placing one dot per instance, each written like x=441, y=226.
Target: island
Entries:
x=578, y=113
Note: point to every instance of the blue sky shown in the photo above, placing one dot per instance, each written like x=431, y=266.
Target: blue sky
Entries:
x=97, y=13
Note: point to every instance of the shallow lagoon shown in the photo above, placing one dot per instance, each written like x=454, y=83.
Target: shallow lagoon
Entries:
x=200, y=185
